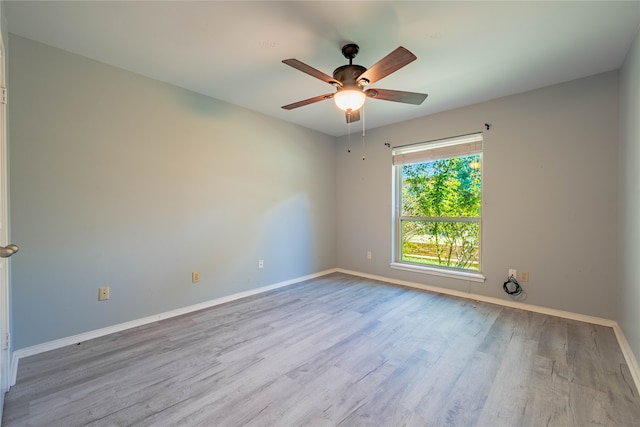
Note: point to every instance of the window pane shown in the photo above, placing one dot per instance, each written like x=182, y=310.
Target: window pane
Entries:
x=442, y=243
x=448, y=188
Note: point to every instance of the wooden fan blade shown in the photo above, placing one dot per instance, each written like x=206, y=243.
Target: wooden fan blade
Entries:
x=312, y=71
x=308, y=101
x=387, y=65
x=396, y=95
x=352, y=116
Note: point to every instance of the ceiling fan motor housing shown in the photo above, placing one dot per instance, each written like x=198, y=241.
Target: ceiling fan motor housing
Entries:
x=348, y=76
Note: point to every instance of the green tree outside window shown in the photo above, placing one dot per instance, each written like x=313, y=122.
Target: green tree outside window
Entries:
x=441, y=205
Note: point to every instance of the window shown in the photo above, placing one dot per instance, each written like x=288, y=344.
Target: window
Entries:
x=438, y=196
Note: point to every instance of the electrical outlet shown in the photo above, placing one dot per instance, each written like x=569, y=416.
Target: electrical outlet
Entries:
x=195, y=277
x=524, y=276
x=513, y=272
x=369, y=256
x=103, y=293
x=260, y=263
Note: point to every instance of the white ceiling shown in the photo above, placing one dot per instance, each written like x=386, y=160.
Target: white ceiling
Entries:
x=467, y=52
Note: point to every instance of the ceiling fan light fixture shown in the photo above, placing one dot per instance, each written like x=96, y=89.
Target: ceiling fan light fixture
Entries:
x=350, y=99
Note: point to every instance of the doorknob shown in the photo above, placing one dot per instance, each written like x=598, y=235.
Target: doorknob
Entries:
x=8, y=250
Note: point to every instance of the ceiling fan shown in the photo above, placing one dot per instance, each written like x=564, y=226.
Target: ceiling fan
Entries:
x=350, y=81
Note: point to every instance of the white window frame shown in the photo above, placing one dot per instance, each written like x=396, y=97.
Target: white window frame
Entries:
x=422, y=152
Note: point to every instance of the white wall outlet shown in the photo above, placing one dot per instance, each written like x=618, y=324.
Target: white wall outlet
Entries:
x=260, y=263
x=195, y=277
x=513, y=273
x=369, y=256
x=524, y=276
x=103, y=293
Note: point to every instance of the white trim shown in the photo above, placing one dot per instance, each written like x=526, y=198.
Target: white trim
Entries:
x=5, y=303
x=632, y=361
x=453, y=274
x=62, y=342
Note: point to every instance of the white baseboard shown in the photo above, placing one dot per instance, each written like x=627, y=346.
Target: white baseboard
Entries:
x=632, y=361
x=629, y=357
x=476, y=297
x=62, y=342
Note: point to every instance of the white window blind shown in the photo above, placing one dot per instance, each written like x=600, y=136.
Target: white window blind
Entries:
x=438, y=149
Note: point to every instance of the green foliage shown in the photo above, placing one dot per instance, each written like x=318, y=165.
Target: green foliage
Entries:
x=447, y=189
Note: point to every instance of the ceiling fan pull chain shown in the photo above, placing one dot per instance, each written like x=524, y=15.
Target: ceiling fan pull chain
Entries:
x=363, y=124
x=349, y=132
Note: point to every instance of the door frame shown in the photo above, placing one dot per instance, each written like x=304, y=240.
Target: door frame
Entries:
x=5, y=341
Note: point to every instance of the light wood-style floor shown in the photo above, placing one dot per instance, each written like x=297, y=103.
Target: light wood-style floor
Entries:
x=335, y=351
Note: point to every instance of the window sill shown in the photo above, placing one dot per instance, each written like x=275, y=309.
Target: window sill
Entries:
x=453, y=274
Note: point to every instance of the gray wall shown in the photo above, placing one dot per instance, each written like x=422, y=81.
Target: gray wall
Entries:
x=629, y=241
x=549, y=196
x=120, y=180
x=124, y=181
